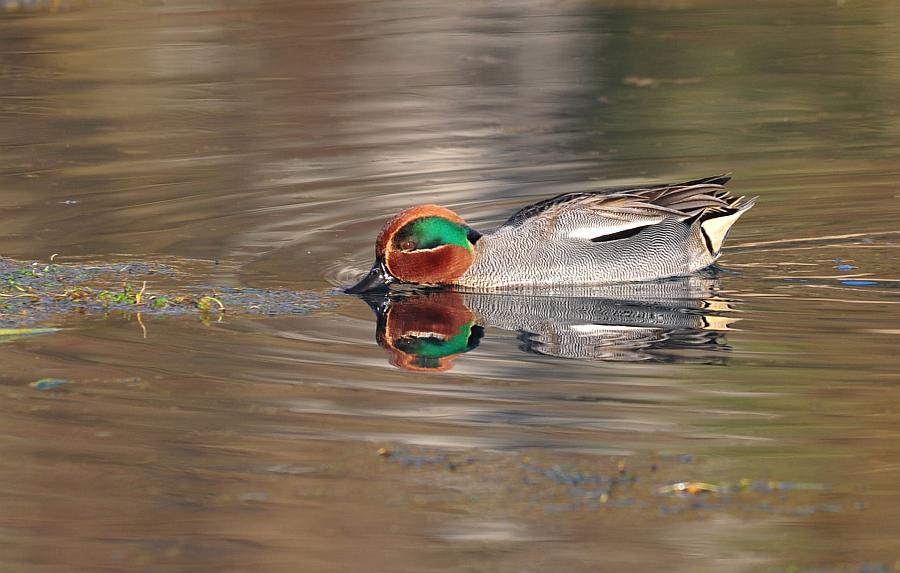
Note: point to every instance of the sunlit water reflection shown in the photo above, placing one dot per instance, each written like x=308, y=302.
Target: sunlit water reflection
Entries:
x=264, y=146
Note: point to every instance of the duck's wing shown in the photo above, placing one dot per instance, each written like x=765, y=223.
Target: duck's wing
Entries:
x=618, y=213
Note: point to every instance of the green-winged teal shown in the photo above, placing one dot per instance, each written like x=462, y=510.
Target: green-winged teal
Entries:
x=609, y=236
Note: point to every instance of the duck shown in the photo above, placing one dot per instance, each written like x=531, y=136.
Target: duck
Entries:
x=617, y=235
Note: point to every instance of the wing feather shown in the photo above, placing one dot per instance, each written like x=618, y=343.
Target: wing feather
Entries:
x=597, y=232
x=593, y=215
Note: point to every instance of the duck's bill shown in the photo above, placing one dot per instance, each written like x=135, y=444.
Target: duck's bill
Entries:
x=378, y=277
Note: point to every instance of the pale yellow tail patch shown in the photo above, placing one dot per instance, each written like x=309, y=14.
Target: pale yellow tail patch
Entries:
x=717, y=229
x=717, y=305
x=719, y=323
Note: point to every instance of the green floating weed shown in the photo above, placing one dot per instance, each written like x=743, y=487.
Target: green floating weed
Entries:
x=128, y=296
x=40, y=291
x=159, y=302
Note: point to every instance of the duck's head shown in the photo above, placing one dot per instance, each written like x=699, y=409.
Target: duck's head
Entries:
x=427, y=245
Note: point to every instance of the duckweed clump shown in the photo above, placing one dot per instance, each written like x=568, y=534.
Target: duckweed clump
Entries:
x=35, y=292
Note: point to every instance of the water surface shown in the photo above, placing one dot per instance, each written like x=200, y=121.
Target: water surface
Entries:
x=262, y=145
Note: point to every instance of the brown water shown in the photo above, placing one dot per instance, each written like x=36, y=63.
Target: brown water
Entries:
x=263, y=145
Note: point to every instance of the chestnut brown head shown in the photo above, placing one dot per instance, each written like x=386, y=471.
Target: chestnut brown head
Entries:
x=427, y=245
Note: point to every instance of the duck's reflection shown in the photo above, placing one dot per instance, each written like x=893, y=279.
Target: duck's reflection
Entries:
x=678, y=320
x=424, y=330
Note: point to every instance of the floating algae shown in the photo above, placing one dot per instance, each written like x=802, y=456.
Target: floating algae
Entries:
x=35, y=292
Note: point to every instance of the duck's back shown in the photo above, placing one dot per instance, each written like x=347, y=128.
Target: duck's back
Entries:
x=618, y=235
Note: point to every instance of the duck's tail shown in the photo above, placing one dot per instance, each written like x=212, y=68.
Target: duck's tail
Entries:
x=715, y=223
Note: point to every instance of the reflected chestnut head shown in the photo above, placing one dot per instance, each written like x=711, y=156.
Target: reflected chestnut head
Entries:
x=427, y=331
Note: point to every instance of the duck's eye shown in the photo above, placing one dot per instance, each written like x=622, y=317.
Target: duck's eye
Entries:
x=408, y=245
